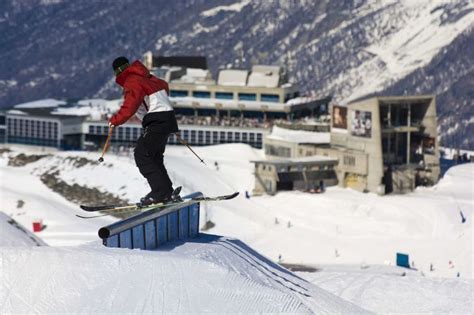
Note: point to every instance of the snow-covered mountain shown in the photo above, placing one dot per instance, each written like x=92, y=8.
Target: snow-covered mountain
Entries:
x=349, y=49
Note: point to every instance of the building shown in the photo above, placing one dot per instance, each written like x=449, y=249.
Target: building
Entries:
x=249, y=102
x=3, y=127
x=288, y=143
x=305, y=174
x=240, y=106
x=385, y=144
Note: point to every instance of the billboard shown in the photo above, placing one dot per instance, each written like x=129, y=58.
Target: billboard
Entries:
x=361, y=123
x=339, y=117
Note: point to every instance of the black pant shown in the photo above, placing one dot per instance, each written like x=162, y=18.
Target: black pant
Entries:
x=149, y=159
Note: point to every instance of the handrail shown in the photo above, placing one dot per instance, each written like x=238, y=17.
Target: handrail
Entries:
x=140, y=218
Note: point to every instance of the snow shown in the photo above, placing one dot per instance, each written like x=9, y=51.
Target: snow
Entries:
x=331, y=232
x=236, y=7
x=381, y=290
x=16, y=112
x=13, y=234
x=208, y=275
x=45, y=103
x=420, y=35
x=63, y=228
x=299, y=136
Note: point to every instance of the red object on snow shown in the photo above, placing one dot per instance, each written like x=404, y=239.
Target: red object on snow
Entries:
x=37, y=226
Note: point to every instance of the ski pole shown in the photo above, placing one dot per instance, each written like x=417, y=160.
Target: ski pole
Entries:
x=189, y=147
x=106, y=145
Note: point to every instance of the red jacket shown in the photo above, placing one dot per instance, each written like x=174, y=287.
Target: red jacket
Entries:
x=146, y=96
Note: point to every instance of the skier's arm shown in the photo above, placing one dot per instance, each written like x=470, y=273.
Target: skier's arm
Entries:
x=133, y=97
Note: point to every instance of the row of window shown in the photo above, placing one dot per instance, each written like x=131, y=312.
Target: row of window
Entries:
x=121, y=133
x=298, y=168
x=198, y=137
x=201, y=137
x=277, y=151
x=226, y=95
x=20, y=127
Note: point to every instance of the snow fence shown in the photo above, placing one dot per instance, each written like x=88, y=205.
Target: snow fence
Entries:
x=153, y=228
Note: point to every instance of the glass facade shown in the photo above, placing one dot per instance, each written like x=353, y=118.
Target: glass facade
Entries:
x=179, y=93
x=225, y=95
x=201, y=94
x=26, y=130
x=247, y=96
x=270, y=98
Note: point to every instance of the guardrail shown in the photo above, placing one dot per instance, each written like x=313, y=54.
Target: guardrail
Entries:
x=153, y=228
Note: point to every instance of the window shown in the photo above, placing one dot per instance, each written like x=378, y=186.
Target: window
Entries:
x=244, y=136
x=214, y=137
x=349, y=160
x=247, y=96
x=222, y=134
x=237, y=136
x=201, y=94
x=229, y=136
x=200, y=136
x=179, y=93
x=270, y=98
x=225, y=95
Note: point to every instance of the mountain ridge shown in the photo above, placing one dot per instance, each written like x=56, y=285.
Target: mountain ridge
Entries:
x=350, y=50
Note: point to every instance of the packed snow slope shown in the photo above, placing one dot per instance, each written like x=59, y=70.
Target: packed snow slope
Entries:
x=382, y=289
x=26, y=199
x=341, y=226
x=365, y=229
x=14, y=234
x=207, y=275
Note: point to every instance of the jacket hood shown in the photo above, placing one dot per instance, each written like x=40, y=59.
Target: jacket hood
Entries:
x=136, y=68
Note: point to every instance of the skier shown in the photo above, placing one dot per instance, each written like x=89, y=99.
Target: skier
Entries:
x=146, y=96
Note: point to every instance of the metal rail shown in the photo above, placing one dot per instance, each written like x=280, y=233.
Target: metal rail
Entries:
x=144, y=220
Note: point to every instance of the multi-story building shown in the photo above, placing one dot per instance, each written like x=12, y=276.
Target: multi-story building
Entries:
x=385, y=144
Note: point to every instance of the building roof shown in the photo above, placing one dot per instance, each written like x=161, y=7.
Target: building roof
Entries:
x=315, y=159
x=299, y=136
x=45, y=103
x=198, y=62
x=396, y=99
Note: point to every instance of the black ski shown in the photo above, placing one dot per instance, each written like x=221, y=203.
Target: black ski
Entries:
x=132, y=208
x=174, y=195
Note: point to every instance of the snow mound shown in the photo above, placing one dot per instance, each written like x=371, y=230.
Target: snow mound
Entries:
x=13, y=234
x=211, y=274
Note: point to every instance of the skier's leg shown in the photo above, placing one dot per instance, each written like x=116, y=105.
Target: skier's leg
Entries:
x=149, y=159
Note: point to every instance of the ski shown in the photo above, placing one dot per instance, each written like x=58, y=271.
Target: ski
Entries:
x=175, y=194
x=133, y=208
x=129, y=209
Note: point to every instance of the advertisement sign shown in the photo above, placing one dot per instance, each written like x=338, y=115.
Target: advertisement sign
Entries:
x=339, y=117
x=361, y=123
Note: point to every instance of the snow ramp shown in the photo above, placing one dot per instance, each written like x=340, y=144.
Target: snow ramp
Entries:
x=208, y=274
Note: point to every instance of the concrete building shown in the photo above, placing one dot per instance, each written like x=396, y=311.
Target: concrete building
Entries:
x=385, y=144
x=288, y=143
x=305, y=174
